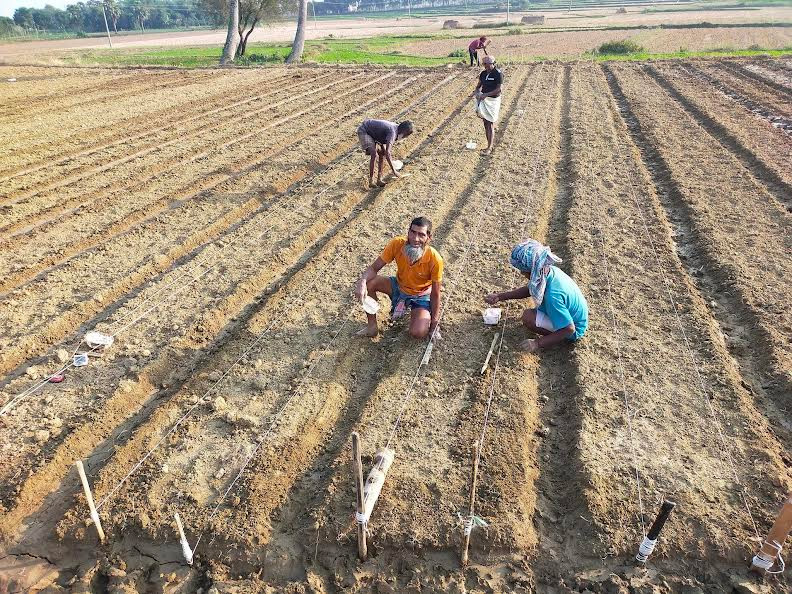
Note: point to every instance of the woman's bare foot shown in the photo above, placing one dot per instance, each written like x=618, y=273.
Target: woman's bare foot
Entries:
x=367, y=332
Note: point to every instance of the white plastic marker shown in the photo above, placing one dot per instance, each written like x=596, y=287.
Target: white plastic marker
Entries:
x=471, y=145
x=87, y=490
x=96, y=339
x=186, y=550
x=370, y=305
x=492, y=316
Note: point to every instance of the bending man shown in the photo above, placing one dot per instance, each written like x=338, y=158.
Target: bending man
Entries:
x=477, y=44
x=487, y=98
x=377, y=138
x=561, y=312
x=417, y=284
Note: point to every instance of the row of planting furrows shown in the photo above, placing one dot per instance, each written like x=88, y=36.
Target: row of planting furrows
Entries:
x=154, y=122
x=777, y=65
x=750, y=387
x=777, y=121
x=734, y=238
x=62, y=139
x=36, y=83
x=110, y=89
x=234, y=270
x=357, y=381
x=614, y=406
x=778, y=102
x=62, y=297
x=743, y=70
x=98, y=219
x=763, y=149
x=153, y=152
x=769, y=70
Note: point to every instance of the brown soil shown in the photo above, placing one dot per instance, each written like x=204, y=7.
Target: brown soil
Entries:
x=565, y=44
x=217, y=226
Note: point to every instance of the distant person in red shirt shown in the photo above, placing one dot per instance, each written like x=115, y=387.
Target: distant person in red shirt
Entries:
x=478, y=44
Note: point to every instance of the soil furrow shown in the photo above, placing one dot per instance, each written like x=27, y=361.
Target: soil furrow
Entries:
x=775, y=185
x=757, y=452
x=90, y=228
x=561, y=518
x=152, y=148
x=744, y=72
x=169, y=118
x=775, y=120
x=51, y=321
x=742, y=317
x=769, y=98
x=166, y=364
x=129, y=88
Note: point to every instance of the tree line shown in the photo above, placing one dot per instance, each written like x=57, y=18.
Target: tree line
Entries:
x=122, y=15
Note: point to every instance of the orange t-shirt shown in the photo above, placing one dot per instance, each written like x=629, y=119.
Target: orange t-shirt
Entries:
x=413, y=279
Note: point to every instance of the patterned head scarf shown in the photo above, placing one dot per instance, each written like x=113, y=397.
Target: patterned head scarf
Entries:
x=531, y=256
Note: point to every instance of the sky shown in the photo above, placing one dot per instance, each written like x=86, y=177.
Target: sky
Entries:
x=7, y=7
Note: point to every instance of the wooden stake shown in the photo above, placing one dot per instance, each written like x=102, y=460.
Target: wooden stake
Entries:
x=89, y=497
x=472, y=500
x=489, y=355
x=771, y=547
x=357, y=468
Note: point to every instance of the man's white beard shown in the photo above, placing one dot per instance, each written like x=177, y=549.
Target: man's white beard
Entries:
x=414, y=252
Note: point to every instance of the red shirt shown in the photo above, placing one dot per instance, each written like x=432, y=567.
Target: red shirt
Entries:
x=476, y=44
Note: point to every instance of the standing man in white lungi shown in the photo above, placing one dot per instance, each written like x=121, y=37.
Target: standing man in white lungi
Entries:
x=487, y=99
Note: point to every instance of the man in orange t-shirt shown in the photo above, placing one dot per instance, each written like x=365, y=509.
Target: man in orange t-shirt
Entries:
x=417, y=284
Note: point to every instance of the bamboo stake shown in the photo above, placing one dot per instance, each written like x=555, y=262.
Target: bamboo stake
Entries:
x=472, y=501
x=770, y=550
x=186, y=550
x=489, y=355
x=87, y=490
x=357, y=468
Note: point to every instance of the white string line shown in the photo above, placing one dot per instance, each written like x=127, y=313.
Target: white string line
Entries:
x=302, y=187
x=702, y=388
x=228, y=370
x=629, y=415
x=408, y=395
x=622, y=382
x=272, y=424
x=496, y=364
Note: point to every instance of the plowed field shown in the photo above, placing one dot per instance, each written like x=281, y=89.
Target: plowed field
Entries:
x=214, y=223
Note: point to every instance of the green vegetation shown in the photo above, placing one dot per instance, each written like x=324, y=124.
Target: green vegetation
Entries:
x=619, y=48
x=382, y=50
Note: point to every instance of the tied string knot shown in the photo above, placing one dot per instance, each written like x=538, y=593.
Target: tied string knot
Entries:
x=763, y=561
x=470, y=522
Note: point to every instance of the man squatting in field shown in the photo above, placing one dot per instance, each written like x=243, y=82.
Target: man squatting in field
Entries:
x=561, y=311
x=487, y=98
x=377, y=138
x=417, y=284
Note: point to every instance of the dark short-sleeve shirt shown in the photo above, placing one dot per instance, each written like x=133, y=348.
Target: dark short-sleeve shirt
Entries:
x=490, y=80
x=381, y=131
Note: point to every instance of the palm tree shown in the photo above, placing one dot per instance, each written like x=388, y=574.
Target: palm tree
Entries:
x=299, y=36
